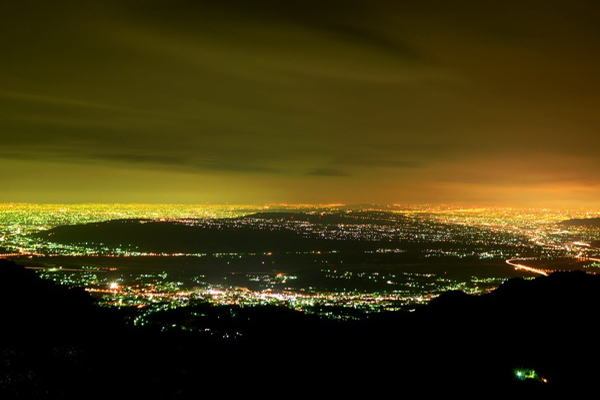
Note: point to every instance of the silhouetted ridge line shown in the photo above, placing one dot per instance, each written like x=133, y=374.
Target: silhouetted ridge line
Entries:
x=462, y=343
x=197, y=237
x=590, y=222
x=36, y=308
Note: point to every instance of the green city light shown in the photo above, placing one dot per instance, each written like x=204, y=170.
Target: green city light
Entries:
x=523, y=374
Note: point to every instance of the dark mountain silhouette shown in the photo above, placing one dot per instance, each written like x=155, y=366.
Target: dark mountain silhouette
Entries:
x=590, y=222
x=58, y=344
x=37, y=308
x=174, y=237
x=279, y=233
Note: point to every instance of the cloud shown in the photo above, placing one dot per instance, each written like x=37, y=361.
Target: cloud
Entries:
x=384, y=163
x=389, y=90
x=327, y=172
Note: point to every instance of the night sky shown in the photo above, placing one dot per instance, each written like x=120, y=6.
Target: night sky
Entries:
x=240, y=101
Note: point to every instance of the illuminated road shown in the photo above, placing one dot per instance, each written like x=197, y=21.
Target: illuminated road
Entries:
x=6, y=255
x=514, y=262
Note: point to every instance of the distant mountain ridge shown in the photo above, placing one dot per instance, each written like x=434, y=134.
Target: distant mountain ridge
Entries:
x=208, y=236
x=591, y=222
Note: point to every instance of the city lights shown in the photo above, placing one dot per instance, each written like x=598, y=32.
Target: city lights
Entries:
x=360, y=260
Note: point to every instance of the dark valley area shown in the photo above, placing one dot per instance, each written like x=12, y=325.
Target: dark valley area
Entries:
x=527, y=336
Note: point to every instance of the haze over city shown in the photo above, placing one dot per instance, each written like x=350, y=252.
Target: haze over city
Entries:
x=300, y=102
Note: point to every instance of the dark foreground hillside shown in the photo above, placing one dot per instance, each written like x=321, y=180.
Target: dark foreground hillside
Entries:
x=55, y=343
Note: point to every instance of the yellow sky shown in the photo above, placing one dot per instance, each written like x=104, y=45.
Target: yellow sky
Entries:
x=300, y=101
